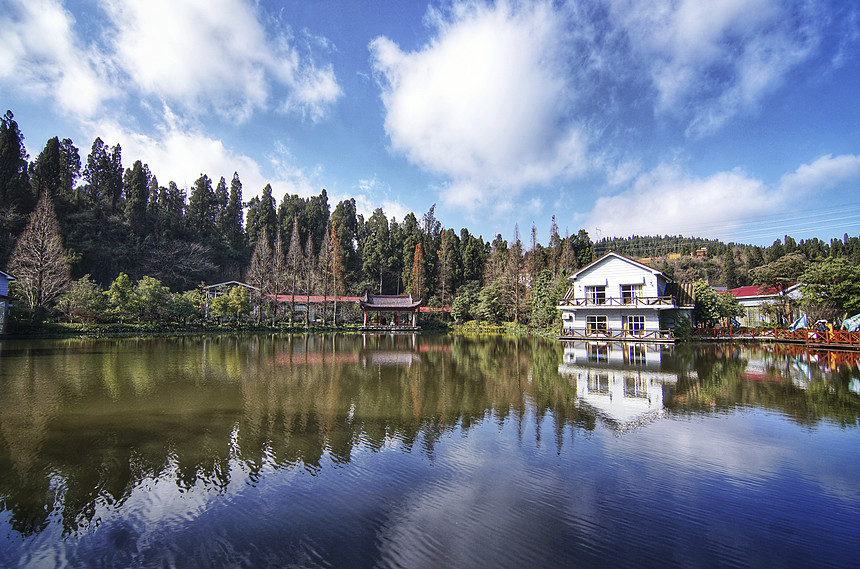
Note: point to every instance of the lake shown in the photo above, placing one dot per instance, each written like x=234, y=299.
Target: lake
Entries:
x=426, y=451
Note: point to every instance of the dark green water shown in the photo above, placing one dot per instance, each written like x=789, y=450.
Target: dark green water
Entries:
x=425, y=451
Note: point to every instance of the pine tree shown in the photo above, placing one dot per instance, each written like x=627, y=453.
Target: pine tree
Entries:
x=231, y=226
x=202, y=212
x=136, y=188
x=14, y=179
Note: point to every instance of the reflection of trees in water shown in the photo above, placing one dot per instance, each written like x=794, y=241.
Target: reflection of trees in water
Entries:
x=802, y=384
x=85, y=422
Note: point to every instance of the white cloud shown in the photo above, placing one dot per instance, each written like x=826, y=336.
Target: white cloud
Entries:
x=40, y=55
x=215, y=54
x=710, y=61
x=824, y=173
x=201, y=55
x=667, y=200
x=485, y=103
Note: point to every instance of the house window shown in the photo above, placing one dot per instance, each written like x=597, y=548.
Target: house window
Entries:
x=635, y=324
x=629, y=293
x=596, y=294
x=595, y=324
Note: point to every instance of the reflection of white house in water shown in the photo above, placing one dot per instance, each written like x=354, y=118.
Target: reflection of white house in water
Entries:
x=622, y=383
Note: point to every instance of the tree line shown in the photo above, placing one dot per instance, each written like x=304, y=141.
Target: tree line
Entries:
x=77, y=225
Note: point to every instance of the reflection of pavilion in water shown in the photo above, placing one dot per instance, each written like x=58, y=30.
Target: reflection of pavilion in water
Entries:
x=395, y=349
x=622, y=383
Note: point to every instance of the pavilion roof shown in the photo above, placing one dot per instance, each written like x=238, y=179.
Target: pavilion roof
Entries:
x=388, y=302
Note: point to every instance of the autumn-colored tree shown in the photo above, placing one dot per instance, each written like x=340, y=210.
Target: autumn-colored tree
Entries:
x=418, y=274
x=38, y=261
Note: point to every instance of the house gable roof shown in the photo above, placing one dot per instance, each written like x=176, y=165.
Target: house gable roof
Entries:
x=613, y=254
x=8, y=276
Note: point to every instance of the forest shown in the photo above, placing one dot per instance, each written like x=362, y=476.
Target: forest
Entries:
x=99, y=238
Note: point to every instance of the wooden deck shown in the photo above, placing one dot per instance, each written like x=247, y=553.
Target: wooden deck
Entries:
x=813, y=338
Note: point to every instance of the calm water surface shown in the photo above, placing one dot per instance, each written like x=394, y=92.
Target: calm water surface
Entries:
x=426, y=451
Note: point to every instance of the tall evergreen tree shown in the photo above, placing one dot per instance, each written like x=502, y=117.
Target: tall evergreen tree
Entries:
x=56, y=169
x=231, y=226
x=136, y=189
x=16, y=196
x=14, y=180
x=375, y=254
x=345, y=219
x=202, y=210
x=730, y=271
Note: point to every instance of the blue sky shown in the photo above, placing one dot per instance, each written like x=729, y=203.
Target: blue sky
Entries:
x=730, y=119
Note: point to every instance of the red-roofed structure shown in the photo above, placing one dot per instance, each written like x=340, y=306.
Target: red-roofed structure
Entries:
x=753, y=298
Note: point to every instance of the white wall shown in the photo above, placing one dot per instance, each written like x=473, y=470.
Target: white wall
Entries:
x=615, y=319
x=613, y=272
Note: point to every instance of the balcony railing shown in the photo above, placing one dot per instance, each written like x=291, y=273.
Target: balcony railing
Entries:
x=634, y=302
x=622, y=335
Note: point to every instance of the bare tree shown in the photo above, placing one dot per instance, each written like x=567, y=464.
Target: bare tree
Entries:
x=180, y=264
x=294, y=266
x=38, y=261
x=279, y=275
x=513, y=288
x=324, y=267
x=260, y=270
x=308, y=273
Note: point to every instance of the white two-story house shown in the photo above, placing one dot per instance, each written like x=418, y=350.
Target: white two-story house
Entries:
x=617, y=297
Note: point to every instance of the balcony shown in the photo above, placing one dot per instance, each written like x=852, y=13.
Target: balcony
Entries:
x=634, y=302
